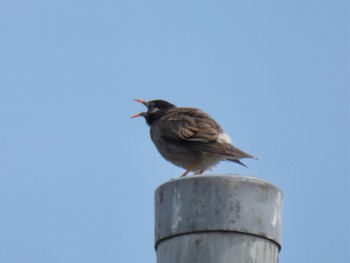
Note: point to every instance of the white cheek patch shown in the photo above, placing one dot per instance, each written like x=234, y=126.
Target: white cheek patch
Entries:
x=224, y=138
x=154, y=110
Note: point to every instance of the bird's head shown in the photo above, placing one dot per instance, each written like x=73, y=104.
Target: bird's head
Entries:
x=155, y=110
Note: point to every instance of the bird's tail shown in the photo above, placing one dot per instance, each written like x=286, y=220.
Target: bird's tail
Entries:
x=237, y=161
x=235, y=154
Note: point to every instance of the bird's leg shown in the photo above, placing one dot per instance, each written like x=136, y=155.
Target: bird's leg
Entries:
x=188, y=170
x=200, y=172
x=185, y=173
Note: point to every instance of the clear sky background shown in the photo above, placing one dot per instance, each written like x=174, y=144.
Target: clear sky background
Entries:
x=77, y=176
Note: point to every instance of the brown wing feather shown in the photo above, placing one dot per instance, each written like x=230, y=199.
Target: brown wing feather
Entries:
x=222, y=148
x=190, y=125
x=198, y=131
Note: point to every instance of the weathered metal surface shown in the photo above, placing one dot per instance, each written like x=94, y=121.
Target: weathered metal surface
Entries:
x=217, y=215
x=216, y=247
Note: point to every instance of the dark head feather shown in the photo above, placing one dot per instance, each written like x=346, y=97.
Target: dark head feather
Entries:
x=156, y=109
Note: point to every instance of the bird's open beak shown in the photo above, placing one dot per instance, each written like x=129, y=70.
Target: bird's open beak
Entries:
x=142, y=113
x=138, y=115
x=142, y=101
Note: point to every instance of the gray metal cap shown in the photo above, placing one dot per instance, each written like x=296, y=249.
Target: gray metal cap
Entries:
x=204, y=203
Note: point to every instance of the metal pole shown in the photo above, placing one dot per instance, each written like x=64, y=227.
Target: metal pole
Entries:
x=217, y=219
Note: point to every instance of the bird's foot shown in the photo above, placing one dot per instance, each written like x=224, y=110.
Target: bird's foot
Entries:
x=189, y=170
x=185, y=173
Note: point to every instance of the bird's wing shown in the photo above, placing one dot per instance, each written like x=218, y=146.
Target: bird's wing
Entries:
x=198, y=131
x=189, y=125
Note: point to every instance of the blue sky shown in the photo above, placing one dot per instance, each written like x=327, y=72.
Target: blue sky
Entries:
x=77, y=176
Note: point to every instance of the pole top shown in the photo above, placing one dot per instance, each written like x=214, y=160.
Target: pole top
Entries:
x=223, y=203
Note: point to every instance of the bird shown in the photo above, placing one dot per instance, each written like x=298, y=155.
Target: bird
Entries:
x=188, y=137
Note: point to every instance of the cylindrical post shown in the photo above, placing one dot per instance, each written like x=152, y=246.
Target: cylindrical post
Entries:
x=217, y=219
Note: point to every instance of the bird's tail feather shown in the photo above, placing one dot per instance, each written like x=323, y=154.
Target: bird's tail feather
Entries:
x=237, y=161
